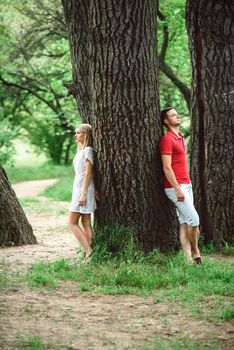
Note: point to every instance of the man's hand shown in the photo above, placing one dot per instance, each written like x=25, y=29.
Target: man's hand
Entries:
x=180, y=195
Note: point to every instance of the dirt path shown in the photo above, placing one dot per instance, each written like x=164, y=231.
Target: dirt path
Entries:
x=49, y=222
x=66, y=318
x=30, y=189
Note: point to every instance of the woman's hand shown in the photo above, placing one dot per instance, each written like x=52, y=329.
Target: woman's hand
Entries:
x=96, y=195
x=83, y=200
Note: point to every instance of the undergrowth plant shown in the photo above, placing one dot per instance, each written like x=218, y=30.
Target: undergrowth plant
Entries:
x=115, y=241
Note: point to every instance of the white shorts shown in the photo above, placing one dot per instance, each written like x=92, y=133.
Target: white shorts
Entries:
x=187, y=214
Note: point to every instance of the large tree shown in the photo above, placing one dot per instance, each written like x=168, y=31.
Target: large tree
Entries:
x=14, y=226
x=210, y=26
x=115, y=84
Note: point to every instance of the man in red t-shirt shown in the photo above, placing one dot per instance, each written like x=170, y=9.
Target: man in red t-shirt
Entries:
x=177, y=183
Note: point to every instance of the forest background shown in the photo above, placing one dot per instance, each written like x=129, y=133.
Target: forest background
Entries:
x=36, y=64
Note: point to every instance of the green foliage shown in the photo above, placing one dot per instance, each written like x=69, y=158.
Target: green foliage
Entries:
x=206, y=248
x=114, y=241
x=177, y=57
x=210, y=247
x=35, y=55
x=8, y=131
x=177, y=54
x=6, y=136
x=34, y=68
x=228, y=250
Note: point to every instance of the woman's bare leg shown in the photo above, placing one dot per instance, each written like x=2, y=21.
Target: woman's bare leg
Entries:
x=86, y=223
x=73, y=223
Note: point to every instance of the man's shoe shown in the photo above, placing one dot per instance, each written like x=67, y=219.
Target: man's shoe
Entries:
x=198, y=260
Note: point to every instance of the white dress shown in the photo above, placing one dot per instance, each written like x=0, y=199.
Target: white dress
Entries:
x=79, y=167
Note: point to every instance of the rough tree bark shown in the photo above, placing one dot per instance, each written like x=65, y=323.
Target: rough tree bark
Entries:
x=77, y=21
x=210, y=26
x=125, y=107
x=14, y=226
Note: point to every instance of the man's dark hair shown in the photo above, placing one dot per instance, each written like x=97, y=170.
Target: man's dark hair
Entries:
x=163, y=115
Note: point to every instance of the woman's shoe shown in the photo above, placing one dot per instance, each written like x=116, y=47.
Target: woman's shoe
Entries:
x=89, y=256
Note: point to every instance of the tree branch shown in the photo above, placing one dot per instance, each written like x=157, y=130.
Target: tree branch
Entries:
x=165, y=36
x=167, y=70
x=34, y=93
x=186, y=92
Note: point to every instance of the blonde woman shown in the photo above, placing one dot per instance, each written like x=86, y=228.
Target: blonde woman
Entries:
x=83, y=200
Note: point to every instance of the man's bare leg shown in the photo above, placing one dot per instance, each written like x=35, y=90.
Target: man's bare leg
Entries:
x=193, y=234
x=185, y=241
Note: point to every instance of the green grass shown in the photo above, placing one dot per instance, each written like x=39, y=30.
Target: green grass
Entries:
x=9, y=278
x=63, y=189
x=167, y=278
x=31, y=166
x=3, y=280
x=26, y=155
x=228, y=250
x=34, y=342
x=44, y=171
x=27, y=202
x=6, y=275
x=179, y=344
x=60, y=191
x=228, y=312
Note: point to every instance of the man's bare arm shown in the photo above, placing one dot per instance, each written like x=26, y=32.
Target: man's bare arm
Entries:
x=169, y=173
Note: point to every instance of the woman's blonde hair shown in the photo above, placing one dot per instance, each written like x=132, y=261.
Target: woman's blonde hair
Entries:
x=86, y=129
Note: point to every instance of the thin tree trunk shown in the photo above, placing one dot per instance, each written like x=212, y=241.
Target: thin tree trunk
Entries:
x=67, y=151
x=210, y=26
x=167, y=70
x=185, y=91
x=127, y=129
x=14, y=226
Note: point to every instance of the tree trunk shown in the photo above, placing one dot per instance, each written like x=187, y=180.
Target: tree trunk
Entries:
x=76, y=15
x=14, y=226
x=125, y=105
x=210, y=26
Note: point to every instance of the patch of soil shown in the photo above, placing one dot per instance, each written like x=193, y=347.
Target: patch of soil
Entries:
x=85, y=321
x=51, y=230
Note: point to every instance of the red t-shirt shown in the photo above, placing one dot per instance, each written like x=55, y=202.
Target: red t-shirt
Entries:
x=175, y=145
